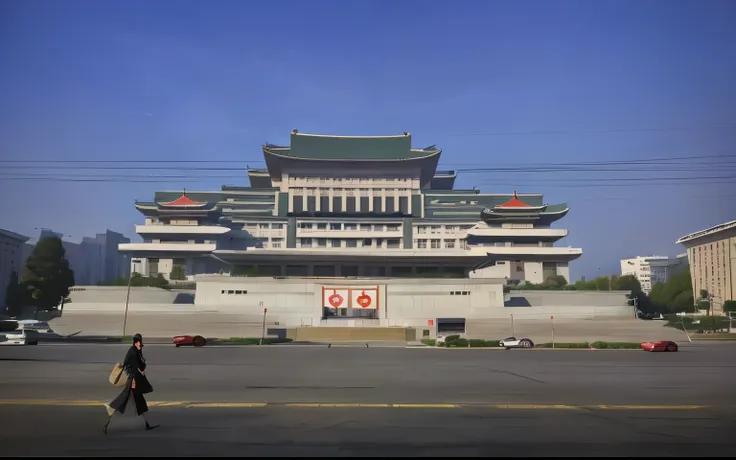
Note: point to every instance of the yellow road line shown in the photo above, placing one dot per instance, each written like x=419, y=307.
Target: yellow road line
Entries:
x=535, y=406
x=194, y=405
x=427, y=406
x=661, y=407
x=226, y=404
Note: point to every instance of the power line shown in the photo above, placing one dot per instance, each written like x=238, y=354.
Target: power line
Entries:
x=598, y=130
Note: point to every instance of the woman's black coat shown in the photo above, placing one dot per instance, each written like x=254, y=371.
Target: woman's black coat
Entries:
x=132, y=366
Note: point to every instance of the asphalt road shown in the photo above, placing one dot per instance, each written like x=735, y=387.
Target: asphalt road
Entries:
x=314, y=401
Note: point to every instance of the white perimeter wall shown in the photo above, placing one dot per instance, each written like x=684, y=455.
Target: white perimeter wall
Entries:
x=96, y=310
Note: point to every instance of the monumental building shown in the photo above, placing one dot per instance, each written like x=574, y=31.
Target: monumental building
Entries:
x=351, y=206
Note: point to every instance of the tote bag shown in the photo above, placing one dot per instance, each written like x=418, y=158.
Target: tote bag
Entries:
x=117, y=376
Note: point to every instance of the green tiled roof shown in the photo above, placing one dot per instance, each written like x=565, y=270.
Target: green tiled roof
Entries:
x=322, y=147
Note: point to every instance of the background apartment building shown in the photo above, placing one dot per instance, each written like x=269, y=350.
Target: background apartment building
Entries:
x=650, y=270
x=712, y=256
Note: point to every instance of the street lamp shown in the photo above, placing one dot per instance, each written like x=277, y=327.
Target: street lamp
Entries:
x=127, y=296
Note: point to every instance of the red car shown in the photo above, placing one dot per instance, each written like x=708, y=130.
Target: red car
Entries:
x=193, y=340
x=662, y=345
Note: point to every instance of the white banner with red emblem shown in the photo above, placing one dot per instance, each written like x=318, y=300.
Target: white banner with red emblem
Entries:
x=363, y=298
x=335, y=298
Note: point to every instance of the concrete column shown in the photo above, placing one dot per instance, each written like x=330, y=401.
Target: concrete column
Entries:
x=409, y=205
x=357, y=199
x=291, y=202
x=331, y=195
x=370, y=199
x=383, y=200
x=344, y=200
x=318, y=199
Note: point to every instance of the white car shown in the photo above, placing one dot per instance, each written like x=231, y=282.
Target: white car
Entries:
x=16, y=337
x=513, y=342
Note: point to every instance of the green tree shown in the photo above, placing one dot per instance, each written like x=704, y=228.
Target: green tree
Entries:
x=48, y=277
x=178, y=272
x=729, y=305
x=14, y=300
x=555, y=282
x=627, y=283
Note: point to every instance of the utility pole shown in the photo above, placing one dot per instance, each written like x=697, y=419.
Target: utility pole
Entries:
x=127, y=297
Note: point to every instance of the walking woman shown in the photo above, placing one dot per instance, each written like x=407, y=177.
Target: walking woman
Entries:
x=137, y=385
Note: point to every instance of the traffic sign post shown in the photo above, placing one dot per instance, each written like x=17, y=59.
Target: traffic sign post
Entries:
x=552, y=318
x=512, y=326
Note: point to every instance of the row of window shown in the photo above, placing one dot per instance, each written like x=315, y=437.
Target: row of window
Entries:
x=388, y=243
x=348, y=180
x=337, y=226
x=352, y=204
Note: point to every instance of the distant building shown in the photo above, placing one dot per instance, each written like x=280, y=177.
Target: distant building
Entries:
x=712, y=256
x=650, y=270
x=96, y=259
x=11, y=259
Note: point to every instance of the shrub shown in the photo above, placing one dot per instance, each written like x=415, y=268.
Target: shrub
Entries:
x=480, y=343
x=459, y=343
x=564, y=345
x=451, y=338
x=600, y=345
x=430, y=342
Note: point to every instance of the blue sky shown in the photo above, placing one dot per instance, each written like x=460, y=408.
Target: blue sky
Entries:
x=493, y=83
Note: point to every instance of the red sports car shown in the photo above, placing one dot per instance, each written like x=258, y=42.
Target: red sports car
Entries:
x=662, y=345
x=193, y=340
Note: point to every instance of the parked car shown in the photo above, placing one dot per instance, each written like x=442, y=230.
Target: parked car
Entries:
x=18, y=337
x=189, y=340
x=661, y=345
x=513, y=342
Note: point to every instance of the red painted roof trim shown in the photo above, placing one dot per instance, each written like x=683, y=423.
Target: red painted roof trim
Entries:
x=514, y=202
x=184, y=200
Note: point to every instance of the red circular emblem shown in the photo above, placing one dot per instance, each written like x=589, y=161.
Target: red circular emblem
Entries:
x=364, y=300
x=335, y=299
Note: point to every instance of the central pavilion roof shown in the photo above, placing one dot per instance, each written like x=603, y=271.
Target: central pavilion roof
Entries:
x=314, y=152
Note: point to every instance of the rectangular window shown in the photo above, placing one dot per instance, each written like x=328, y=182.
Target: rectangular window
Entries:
x=436, y=244
x=351, y=227
x=336, y=204
x=393, y=243
x=367, y=242
x=306, y=242
x=404, y=205
x=324, y=204
x=422, y=244
x=336, y=243
x=390, y=204
x=392, y=227
x=350, y=207
x=450, y=244
x=337, y=227
x=377, y=204
x=298, y=203
x=311, y=203
x=351, y=243
x=321, y=242
x=364, y=203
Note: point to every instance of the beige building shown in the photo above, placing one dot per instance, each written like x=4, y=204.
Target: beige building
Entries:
x=712, y=256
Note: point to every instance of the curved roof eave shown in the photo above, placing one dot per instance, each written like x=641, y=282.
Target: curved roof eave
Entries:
x=430, y=154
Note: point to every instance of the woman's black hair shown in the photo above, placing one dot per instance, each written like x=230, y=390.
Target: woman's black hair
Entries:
x=137, y=338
